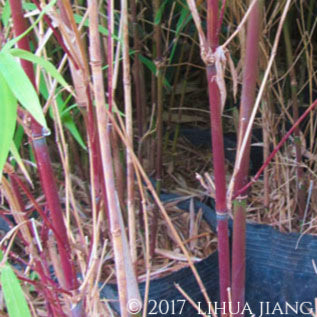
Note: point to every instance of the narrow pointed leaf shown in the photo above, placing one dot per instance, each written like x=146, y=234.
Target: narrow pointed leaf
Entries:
x=71, y=126
x=49, y=67
x=159, y=14
x=13, y=294
x=6, y=12
x=9, y=44
x=8, y=113
x=151, y=66
x=21, y=87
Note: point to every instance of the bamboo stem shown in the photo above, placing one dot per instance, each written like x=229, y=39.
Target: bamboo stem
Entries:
x=106, y=158
x=137, y=74
x=158, y=102
x=129, y=129
x=247, y=100
x=218, y=153
x=45, y=169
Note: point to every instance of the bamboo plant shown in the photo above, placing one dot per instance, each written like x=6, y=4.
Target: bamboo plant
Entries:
x=75, y=239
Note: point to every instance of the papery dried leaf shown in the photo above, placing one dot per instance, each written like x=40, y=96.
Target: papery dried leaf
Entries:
x=234, y=76
x=220, y=62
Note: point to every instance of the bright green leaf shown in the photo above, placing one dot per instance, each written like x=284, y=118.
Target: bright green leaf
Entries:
x=67, y=119
x=78, y=19
x=12, y=42
x=13, y=294
x=21, y=87
x=102, y=30
x=68, y=109
x=6, y=12
x=8, y=113
x=29, y=6
x=71, y=126
x=49, y=67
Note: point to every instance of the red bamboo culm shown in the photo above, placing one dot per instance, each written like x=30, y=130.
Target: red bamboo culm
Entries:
x=218, y=153
x=247, y=100
x=44, y=166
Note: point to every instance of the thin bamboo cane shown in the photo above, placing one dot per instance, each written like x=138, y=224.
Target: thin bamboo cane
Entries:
x=106, y=158
x=218, y=153
x=247, y=100
x=129, y=129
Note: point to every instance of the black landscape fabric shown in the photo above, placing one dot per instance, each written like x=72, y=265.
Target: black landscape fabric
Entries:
x=281, y=279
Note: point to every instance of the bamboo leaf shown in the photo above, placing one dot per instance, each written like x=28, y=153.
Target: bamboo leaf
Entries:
x=183, y=20
x=159, y=14
x=18, y=137
x=8, y=113
x=21, y=87
x=102, y=30
x=67, y=120
x=49, y=67
x=12, y=42
x=151, y=66
x=71, y=126
x=6, y=13
x=29, y=6
x=13, y=294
